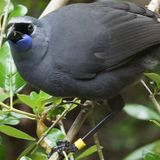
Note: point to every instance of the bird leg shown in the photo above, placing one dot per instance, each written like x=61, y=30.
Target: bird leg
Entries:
x=64, y=146
x=116, y=104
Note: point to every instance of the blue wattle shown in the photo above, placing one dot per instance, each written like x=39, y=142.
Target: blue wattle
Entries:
x=25, y=43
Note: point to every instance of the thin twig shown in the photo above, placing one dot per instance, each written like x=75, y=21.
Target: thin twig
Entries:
x=4, y=21
x=145, y=86
x=65, y=155
x=4, y=105
x=61, y=126
x=71, y=102
x=26, y=114
x=11, y=84
x=54, y=123
x=54, y=156
x=95, y=137
x=151, y=96
x=49, y=129
x=99, y=149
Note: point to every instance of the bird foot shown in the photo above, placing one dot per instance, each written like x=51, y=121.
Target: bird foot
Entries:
x=64, y=145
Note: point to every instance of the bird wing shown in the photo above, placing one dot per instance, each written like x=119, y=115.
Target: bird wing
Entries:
x=102, y=36
x=131, y=28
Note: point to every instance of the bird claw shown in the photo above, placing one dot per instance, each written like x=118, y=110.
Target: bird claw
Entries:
x=64, y=145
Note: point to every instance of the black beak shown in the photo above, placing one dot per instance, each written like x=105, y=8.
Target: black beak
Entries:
x=14, y=35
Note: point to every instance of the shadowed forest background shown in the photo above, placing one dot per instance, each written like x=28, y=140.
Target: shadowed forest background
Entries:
x=119, y=138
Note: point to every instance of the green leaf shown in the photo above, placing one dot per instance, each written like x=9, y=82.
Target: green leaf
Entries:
x=25, y=158
x=8, y=118
x=152, y=156
x=13, y=132
x=155, y=77
x=56, y=100
x=36, y=101
x=19, y=10
x=8, y=73
x=87, y=152
x=141, y=112
x=55, y=111
x=139, y=153
x=3, y=96
x=44, y=95
x=155, y=122
x=27, y=151
x=17, y=115
x=39, y=156
x=53, y=136
x=2, y=7
x=26, y=100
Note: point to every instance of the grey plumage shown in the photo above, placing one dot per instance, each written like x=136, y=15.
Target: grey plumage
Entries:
x=90, y=51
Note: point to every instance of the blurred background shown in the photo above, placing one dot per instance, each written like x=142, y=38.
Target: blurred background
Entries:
x=119, y=137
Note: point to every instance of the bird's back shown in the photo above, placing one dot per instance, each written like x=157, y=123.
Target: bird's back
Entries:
x=100, y=36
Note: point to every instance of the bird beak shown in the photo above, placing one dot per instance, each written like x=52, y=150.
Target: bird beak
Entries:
x=14, y=35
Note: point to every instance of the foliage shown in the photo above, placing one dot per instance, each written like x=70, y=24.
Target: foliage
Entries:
x=141, y=112
x=143, y=153
x=150, y=151
x=88, y=152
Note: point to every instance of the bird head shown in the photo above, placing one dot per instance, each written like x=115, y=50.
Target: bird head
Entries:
x=20, y=33
x=27, y=37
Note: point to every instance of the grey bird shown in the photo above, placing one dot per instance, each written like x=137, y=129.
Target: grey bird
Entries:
x=90, y=51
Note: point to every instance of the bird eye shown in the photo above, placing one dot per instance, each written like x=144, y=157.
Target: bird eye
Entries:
x=30, y=28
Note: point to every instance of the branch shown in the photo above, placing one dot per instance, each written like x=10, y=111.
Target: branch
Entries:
x=61, y=125
x=151, y=96
x=76, y=126
x=26, y=114
x=53, y=5
x=95, y=137
x=55, y=122
x=154, y=5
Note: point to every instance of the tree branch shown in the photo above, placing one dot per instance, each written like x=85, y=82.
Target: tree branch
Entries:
x=154, y=5
x=151, y=96
x=53, y=5
x=96, y=138
x=77, y=124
